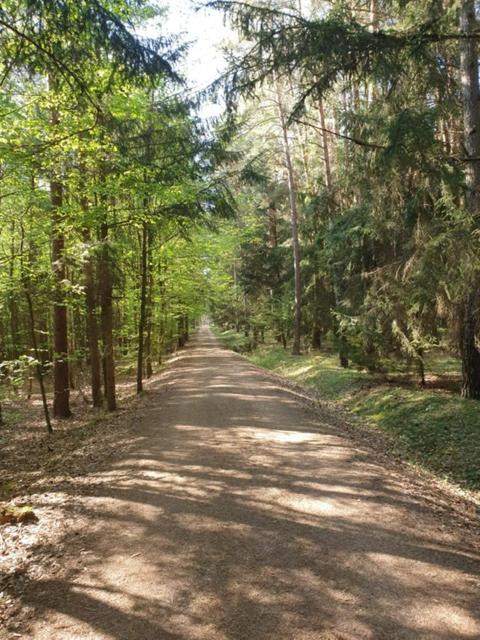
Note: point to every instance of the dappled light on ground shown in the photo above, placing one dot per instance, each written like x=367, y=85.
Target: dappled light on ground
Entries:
x=239, y=514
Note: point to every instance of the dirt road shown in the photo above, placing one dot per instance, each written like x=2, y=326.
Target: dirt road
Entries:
x=241, y=515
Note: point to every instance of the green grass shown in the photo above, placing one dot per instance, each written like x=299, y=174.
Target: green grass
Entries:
x=230, y=339
x=440, y=431
x=435, y=429
x=319, y=370
x=440, y=363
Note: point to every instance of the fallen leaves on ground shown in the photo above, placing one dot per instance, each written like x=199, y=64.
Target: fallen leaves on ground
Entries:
x=40, y=482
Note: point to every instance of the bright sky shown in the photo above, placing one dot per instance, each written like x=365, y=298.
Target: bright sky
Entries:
x=206, y=31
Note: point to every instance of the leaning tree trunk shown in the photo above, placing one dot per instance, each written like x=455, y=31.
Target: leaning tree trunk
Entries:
x=61, y=382
x=292, y=192
x=471, y=121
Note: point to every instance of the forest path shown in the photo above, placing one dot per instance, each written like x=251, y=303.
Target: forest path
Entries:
x=240, y=514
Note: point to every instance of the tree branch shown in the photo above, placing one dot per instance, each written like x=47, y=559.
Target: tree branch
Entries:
x=362, y=143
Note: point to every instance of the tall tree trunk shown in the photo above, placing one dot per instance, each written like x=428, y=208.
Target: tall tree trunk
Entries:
x=61, y=381
x=12, y=303
x=148, y=340
x=38, y=364
x=180, y=331
x=325, y=144
x=143, y=307
x=33, y=335
x=92, y=327
x=471, y=119
x=106, y=318
x=421, y=366
x=316, y=329
x=302, y=140
x=372, y=27
x=341, y=341
x=148, y=350
x=235, y=289
x=292, y=192
x=468, y=346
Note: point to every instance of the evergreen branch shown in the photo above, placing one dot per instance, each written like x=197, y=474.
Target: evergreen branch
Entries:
x=64, y=69
x=362, y=143
x=228, y=5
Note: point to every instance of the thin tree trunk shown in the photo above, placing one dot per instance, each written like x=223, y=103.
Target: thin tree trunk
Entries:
x=13, y=306
x=37, y=359
x=302, y=138
x=162, y=329
x=317, y=329
x=33, y=335
x=325, y=143
x=341, y=342
x=421, y=367
x=471, y=117
x=468, y=347
x=292, y=192
x=143, y=306
x=372, y=26
x=148, y=340
x=61, y=381
x=92, y=328
x=180, y=332
x=148, y=350
x=106, y=317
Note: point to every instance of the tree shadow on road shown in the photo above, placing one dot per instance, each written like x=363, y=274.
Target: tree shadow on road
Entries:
x=239, y=515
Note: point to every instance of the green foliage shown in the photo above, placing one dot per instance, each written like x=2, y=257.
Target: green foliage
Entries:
x=61, y=38
x=106, y=163
x=13, y=374
x=324, y=50
x=388, y=250
x=318, y=370
x=230, y=339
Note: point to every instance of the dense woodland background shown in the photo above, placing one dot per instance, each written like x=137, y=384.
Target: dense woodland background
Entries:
x=334, y=207
x=363, y=133
x=106, y=172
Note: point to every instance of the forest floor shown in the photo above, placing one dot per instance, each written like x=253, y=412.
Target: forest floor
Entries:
x=226, y=505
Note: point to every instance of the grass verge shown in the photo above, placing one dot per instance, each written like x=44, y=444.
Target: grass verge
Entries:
x=230, y=339
x=435, y=429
